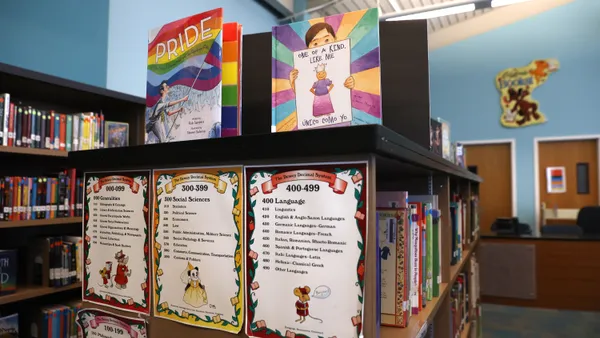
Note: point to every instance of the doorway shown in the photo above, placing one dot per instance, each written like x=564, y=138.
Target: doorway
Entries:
x=579, y=157
x=494, y=161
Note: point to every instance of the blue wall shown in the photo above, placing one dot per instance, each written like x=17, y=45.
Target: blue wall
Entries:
x=130, y=21
x=65, y=38
x=464, y=93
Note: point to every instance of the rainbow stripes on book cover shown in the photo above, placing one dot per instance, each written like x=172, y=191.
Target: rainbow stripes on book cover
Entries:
x=232, y=72
x=326, y=72
x=183, y=89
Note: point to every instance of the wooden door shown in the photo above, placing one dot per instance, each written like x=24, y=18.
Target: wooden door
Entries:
x=493, y=163
x=569, y=154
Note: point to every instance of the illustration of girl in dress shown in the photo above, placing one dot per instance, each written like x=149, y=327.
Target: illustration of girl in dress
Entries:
x=195, y=293
x=320, y=89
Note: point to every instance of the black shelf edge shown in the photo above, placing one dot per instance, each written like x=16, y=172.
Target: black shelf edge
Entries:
x=345, y=141
x=62, y=82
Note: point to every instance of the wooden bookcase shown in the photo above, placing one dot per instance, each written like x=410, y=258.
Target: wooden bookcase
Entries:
x=394, y=162
x=52, y=93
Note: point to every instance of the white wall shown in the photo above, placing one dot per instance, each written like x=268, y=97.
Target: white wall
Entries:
x=130, y=20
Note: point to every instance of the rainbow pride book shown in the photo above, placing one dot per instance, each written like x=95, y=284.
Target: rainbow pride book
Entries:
x=183, y=88
x=326, y=72
x=232, y=72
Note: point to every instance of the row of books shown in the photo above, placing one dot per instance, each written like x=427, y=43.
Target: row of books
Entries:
x=464, y=301
x=56, y=261
x=441, y=144
x=30, y=198
x=410, y=246
x=29, y=127
x=410, y=235
x=462, y=233
x=54, y=321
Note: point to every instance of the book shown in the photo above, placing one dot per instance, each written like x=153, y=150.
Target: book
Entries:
x=9, y=326
x=392, y=199
x=8, y=272
x=415, y=261
x=183, y=97
x=436, y=250
x=394, y=252
x=446, y=143
x=4, y=116
x=326, y=72
x=232, y=80
x=116, y=134
x=435, y=135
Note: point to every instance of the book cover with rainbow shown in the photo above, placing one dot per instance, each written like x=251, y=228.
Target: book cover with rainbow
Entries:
x=183, y=95
x=326, y=72
x=232, y=81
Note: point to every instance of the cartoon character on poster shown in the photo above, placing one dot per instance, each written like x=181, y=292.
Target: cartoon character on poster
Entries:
x=516, y=85
x=123, y=272
x=194, y=292
x=331, y=70
x=105, y=273
x=303, y=294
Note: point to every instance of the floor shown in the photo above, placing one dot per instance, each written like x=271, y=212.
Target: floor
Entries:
x=519, y=322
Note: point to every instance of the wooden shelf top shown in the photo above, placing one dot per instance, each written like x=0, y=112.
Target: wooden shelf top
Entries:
x=417, y=322
x=33, y=151
x=40, y=222
x=466, y=330
x=28, y=292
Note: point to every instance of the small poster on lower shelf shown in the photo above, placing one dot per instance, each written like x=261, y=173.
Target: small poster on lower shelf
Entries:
x=102, y=324
x=305, y=250
x=198, y=241
x=116, y=252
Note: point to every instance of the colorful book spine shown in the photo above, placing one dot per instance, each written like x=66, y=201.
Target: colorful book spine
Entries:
x=4, y=117
x=231, y=63
x=415, y=243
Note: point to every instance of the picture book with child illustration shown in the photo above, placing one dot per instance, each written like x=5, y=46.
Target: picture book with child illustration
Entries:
x=184, y=88
x=326, y=72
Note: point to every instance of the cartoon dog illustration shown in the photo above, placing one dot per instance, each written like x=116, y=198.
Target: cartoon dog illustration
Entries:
x=302, y=304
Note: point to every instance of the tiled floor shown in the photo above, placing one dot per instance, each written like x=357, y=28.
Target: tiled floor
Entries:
x=519, y=322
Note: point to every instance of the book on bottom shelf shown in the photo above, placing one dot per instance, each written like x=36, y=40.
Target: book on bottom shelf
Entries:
x=58, y=320
x=9, y=326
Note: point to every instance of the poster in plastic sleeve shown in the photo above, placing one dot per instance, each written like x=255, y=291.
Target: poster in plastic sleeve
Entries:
x=305, y=250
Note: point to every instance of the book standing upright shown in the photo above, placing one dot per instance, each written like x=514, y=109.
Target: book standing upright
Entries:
x=326, y=72
x=183, y=96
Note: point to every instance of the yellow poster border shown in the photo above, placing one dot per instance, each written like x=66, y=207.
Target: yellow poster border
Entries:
x=220, y=178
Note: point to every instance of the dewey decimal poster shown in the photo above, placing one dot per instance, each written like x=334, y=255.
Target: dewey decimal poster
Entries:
x=101, y=324
x=306, y=234
x=116, y=254
x=198, y=247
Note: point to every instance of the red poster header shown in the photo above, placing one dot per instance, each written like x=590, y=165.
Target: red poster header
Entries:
x=338, y=185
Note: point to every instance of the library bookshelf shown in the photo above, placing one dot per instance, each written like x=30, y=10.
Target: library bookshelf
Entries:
x=30, y=292
x=40, y=222
x=393, y=163
x=46, y=92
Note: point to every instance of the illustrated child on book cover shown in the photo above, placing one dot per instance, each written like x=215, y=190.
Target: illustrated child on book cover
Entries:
x=332, y=70
x=183, y=95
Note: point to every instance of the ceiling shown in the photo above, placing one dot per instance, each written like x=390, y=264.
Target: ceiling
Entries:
x=389, y=7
